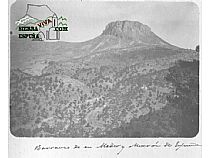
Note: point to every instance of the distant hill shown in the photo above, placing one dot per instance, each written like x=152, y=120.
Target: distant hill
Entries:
x=126, y=38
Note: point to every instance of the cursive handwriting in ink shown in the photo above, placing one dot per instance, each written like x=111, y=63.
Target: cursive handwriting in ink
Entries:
x=112, y=145
x=156, y=144
x=179, y=145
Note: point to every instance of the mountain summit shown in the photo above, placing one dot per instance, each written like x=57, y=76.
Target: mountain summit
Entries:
x=134, y=31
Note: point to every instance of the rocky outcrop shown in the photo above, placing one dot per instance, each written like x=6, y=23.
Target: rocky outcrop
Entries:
x=132, y=30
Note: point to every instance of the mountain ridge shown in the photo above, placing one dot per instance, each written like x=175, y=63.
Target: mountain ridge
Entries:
x=119, y=37
x=133, y=30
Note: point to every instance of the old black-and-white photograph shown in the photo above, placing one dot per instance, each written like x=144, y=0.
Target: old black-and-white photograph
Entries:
x=108, y=69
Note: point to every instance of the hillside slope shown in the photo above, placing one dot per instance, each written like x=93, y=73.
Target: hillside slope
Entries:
x=114, y=85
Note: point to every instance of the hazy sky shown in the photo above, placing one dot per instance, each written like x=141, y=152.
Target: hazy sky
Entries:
x=175, y=22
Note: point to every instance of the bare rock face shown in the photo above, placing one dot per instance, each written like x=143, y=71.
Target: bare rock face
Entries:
x=132, y=30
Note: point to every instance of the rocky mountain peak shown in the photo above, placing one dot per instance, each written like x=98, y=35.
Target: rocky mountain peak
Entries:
x=132, y=30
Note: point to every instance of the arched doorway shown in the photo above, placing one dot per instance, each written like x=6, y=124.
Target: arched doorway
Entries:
x=41, y=36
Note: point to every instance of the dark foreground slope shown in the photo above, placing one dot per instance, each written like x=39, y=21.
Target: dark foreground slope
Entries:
x=181, y=114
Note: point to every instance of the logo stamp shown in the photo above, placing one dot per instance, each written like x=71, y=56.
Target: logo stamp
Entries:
x=40, y=23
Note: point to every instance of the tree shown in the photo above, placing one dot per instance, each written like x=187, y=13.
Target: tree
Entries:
x=197, y=48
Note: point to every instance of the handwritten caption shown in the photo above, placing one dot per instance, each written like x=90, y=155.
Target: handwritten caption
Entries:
x=120, y=147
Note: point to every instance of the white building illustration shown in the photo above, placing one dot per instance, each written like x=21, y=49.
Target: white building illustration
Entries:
x=52, y=34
